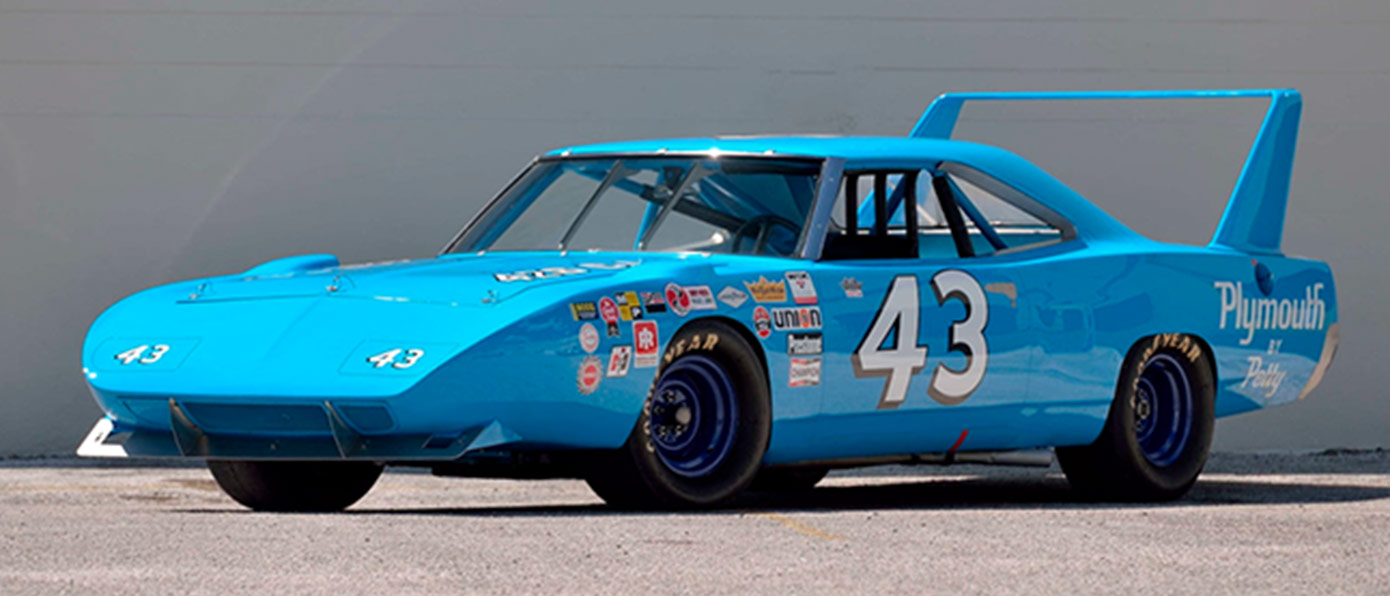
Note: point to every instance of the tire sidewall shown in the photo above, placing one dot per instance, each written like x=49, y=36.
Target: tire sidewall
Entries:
x=732, y=353
x=1193, y=356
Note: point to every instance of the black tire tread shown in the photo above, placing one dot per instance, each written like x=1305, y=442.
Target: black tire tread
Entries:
x=632, y=477
x=295, y=486
x=1113, y=468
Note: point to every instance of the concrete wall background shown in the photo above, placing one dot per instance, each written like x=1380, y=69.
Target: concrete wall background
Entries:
x=143, y=141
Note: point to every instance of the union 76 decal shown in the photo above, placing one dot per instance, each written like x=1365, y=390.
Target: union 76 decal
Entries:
x=899, y=315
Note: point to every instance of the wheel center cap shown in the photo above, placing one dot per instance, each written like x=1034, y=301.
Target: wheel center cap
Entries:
x=683, y=415
x=1143, y=408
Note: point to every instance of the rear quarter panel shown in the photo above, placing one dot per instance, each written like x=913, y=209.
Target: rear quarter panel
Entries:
x=1264, y=343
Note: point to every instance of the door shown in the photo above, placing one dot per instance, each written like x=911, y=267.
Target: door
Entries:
x=930, y=337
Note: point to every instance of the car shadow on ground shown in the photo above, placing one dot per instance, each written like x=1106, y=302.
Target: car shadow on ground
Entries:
x=1036, y=492
x=1324, y=462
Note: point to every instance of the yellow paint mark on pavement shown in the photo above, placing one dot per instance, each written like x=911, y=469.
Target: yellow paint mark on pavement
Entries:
x=799, y=526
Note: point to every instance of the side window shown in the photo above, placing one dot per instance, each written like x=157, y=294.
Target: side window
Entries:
x=875, y=216
x=928, y=211
x=959, y=212
x=997, y=217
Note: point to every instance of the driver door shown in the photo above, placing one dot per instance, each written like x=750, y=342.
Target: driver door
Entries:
x=928, y=347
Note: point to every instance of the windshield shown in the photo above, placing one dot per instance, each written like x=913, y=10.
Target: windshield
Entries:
x=740, y=205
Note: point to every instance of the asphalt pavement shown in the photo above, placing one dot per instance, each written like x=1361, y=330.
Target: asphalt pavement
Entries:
x=1272, y=523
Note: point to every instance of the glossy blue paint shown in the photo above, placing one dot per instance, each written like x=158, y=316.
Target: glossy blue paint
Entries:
x=305, y=358
x=293, y=264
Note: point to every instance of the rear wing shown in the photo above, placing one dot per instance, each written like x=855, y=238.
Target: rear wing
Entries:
x=1254, y=217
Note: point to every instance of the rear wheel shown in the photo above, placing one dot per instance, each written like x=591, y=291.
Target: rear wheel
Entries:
x=1158, y=434
x=295, y=485
x=702, y=432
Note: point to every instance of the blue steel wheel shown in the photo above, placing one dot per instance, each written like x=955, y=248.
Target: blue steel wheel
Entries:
x=1157, y=436
x=700, y=438
x=1163, y=410
x=694, y=416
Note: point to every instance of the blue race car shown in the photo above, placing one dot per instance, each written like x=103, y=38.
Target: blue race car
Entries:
x=676, y=321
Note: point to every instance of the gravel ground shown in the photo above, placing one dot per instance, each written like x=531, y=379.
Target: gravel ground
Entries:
x=1270, y=523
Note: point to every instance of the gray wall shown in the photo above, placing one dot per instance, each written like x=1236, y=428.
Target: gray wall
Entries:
x=147, y=141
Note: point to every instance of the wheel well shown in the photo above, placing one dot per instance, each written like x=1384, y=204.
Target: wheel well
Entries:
x=1206, y=349
x=745, y=334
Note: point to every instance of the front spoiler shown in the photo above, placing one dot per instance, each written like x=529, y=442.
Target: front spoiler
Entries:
x=337, y=441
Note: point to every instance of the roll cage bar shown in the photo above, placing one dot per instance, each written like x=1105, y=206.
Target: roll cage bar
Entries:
x=882, y=204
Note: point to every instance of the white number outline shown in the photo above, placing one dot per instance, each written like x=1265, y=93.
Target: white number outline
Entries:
x=412, y=355
x=900, y=310
x=384, y=358
x=951, y=387
x=155, y=354
x=136, y=355
x=900, y=362
x=132, y=354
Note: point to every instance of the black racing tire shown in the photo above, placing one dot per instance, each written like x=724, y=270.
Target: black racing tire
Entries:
x=787, y=480
x=1128, y=461
x=300, y=486
x=647, y=473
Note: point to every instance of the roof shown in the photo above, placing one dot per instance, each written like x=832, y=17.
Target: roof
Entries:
x=1253, y=220
x=853, y=148
x=871, y=152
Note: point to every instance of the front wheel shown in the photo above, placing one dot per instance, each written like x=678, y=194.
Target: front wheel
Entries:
x=1158, y=434
x=703, y=429
x=295, y=485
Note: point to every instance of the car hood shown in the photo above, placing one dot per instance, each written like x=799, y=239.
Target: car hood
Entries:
x=455, y=280
x=308, y=333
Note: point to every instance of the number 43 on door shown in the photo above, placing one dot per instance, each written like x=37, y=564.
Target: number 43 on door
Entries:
x=899, y=315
